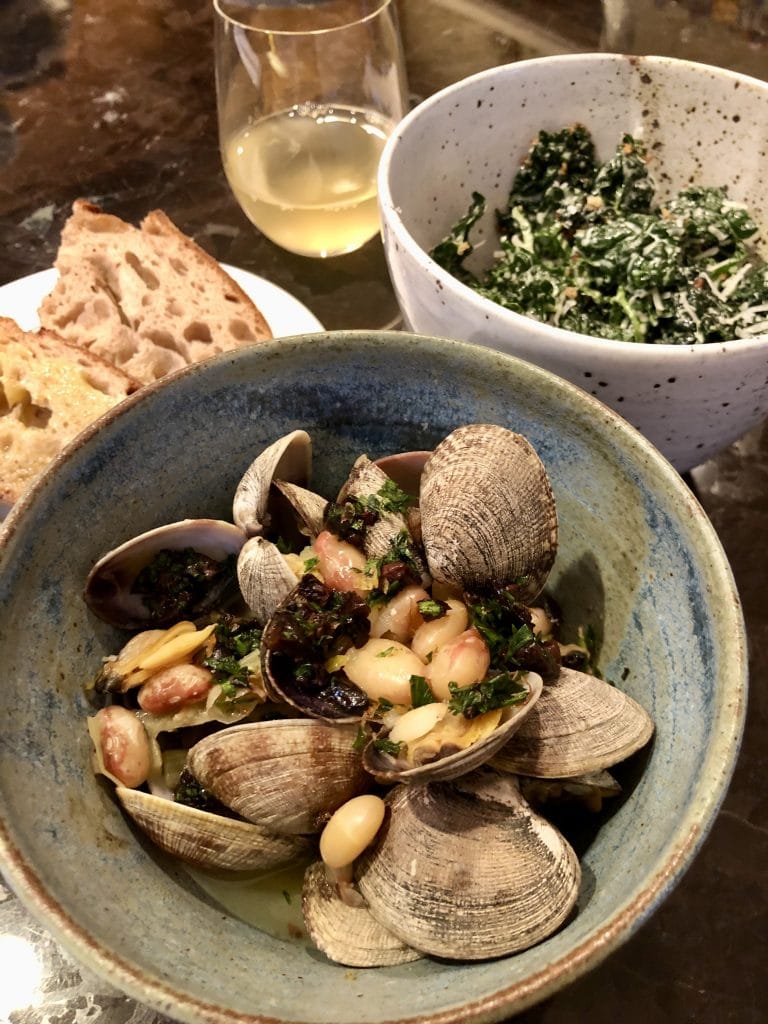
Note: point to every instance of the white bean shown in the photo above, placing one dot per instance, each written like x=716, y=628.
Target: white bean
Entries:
x=463, y=660
x=341, y=564
x=433, y=634
x=350, y=829
x=172, y=688
x=417, y=723
x=122, y=745
x=400, y=617
x=542, y=624
x=383, y=668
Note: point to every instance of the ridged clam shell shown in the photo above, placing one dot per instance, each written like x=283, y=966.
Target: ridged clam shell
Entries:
x=209, y=840
x=466, y=870
x=488, y=514
x=381, y=765
x=365, y=480
x=347, y=935
x=579, y=725
x=108, y=585
x=287, y=776
x=289, y=458
x=264, y=576
x=308, y=507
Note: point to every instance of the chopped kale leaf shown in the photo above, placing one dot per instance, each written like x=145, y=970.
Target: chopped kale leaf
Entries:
x=588, y=248
x=175, y=582
x=496, y=691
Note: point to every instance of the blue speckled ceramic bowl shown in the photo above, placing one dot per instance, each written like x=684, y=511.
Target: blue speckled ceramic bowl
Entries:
x=638, y=558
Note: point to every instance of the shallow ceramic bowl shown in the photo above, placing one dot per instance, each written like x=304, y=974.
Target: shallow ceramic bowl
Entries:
x=638, y=559
x=702, y=125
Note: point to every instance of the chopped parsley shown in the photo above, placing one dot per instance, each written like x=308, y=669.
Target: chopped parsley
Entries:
x=431, y=608
x=507, y=628
x=496, y=691
x=189, y=792
x=234, y=641
x=587, y=247
x=397, y=568
x=385, y=746
x=386, y=653
x=420, y=692
x=351, y=518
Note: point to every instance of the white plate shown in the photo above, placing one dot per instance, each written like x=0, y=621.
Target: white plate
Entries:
x=285, y=315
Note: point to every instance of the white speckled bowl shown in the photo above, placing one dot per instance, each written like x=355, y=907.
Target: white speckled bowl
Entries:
x=638, y=559
x=703, y=125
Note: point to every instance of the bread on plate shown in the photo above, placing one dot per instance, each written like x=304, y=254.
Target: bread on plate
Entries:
x=49, y=391
x=148, y=298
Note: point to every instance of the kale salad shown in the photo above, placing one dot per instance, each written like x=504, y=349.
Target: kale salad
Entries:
x=588, y=247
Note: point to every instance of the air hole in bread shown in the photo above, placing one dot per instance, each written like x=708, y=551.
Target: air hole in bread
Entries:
x=101, y=308
x=70, y=316
x=240, y=330
x=175, y=308
x=178, y=266
x=230, y=297
x=163, y=339
x=198, y=331
x=149, y=278
x=32, y=415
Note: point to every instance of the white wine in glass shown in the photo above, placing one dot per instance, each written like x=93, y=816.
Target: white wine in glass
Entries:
x=304, y=115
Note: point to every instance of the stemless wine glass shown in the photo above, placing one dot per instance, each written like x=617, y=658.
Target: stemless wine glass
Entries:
x=307, y=95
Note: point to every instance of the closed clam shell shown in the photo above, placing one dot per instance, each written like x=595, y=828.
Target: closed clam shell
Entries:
x=108, y=586
x=287, y=776
x=488, y=516
x=580, y=725
x=347, y=935
x=289, y=458
x=210, y=840
x=384, y=766
x=264, y=576
x=467, y=870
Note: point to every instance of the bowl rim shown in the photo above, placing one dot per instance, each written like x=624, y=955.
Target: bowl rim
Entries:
x=698, y=815
x=560, y=337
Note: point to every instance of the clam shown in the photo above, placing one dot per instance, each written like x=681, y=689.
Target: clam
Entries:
x=348, y=935
x=488, y=516
x=580, y=725
x=265, y=576
x=313, y=624
x=589, y=790
x=467, y=870
x=210, y=840
x=289, y=459
x=368, y=481
x=111, y=586
x=454, y=746
x=287, y=776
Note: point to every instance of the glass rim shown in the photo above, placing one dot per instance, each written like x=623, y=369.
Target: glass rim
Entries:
x=230, y=20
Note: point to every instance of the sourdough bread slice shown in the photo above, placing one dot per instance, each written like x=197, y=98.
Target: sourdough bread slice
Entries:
x=148, y=299
x=49, y=391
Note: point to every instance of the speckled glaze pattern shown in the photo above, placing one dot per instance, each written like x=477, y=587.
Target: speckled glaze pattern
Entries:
x=702, y=125
x=638, y=559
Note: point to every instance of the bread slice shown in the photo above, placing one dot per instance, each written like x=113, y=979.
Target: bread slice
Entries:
x=147, y=299
x=49, y=391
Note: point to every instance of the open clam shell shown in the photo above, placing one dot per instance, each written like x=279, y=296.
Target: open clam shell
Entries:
x=108, y=587
x=580, y=725
x=467, y=870
x=488, y=516
x=209, y=840
x=366, y=480
x=347, y=935
x=386, y=768
x=289, y=458
x=287, y=776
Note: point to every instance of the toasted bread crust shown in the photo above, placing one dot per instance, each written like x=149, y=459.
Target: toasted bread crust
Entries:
x=148, y=299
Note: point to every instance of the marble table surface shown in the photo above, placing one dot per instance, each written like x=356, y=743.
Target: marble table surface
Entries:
x=114, y=100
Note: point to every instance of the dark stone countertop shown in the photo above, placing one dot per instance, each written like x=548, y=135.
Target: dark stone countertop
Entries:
x=114, y=100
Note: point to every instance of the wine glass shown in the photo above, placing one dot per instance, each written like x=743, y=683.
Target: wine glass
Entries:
x=307, y=96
